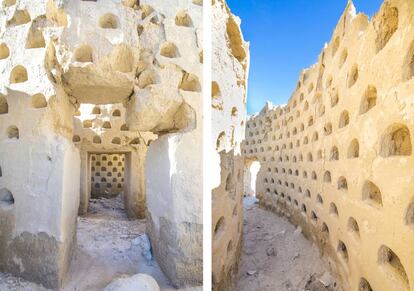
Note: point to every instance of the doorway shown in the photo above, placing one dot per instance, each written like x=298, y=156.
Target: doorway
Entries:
x=251, y=168
x=107, y=172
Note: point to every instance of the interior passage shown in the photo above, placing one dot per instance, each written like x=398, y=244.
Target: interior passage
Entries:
x=277, y=256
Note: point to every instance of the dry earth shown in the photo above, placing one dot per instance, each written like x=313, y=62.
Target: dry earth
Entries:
x=276, y=256
x=105, y=250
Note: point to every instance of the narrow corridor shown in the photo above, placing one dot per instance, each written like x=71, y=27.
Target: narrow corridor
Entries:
x=276, y=256
x=108, y=246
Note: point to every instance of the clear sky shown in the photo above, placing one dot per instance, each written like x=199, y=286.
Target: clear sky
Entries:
x=286, y=36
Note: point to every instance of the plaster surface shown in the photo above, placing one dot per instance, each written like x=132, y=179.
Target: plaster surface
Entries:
x=336, y=159
x=230, y=67
x=139, y=63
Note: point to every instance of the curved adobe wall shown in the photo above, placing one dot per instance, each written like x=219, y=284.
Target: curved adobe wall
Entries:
x=337, y=159
x=229, y=88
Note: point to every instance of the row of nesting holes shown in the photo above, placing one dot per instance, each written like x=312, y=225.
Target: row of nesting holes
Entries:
x=105, y=159
x=107, y=21
x=382, y=38
x=97, y=111
x=368, y=101
x=370, y=192
x=116, y=140
x=109, y=161
x=38, y=101
x=106, y=125
x=84, y=52
x=220, y=227
x=388, y=26
x=353, y=152
x=110, y=21
x=370, y=93
x=396, y=141
x=353, y=76
x=190, y=82
x=385, y=255
x=20, y=17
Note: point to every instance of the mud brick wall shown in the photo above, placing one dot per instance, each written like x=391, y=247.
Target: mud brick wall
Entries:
x=337, y=159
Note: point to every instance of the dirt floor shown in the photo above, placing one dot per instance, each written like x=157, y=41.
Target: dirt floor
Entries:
x=107, y=248
x=277, y=257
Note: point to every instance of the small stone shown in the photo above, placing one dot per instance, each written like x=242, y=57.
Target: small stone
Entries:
x=271, y=252
x=326, y=279
x=281, y=232
x=144, y=243
x=297, y=232
x=251, y=273
x=142, y=282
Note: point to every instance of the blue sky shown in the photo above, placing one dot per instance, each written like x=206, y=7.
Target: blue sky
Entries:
x=286, y=36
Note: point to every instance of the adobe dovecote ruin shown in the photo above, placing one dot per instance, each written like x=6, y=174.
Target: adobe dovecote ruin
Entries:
x=230, y=69
x=337, y=159
x=140, y=63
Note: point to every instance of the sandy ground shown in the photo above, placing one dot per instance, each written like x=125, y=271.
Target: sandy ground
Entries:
x=277, y=257
x=104, y=251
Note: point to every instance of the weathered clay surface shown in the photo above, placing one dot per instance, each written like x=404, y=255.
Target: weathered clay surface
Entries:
x=336, y=159
x=230, y=65
x=183, y=264
x=59, y=60
x=175, y=212
x=39, y=258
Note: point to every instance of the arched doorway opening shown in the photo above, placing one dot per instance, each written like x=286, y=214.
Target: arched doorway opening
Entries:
x=251, y=169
